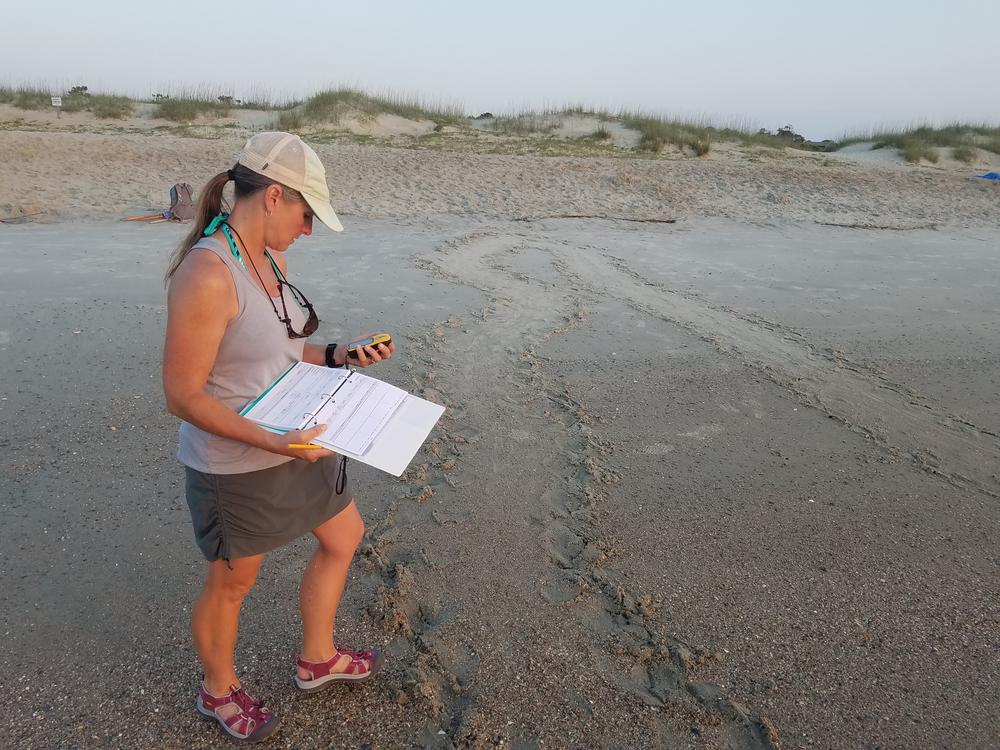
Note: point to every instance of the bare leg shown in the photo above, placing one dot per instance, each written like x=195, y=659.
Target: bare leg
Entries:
x=215, y=619
x=323, y=581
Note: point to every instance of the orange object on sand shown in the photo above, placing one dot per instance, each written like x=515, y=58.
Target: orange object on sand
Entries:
x=144, y=217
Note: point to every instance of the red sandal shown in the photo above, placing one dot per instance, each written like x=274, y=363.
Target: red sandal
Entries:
x=242, y=716
x=345, y=664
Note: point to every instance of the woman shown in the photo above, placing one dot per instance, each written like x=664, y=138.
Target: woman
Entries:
x=234, y=324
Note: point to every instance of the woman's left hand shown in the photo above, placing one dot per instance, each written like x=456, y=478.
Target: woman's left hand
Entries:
x=369, y=355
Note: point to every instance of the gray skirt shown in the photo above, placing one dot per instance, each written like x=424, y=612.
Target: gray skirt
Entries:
x=237, y=515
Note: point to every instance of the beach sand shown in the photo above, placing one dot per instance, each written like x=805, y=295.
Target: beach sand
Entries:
x=723, y=483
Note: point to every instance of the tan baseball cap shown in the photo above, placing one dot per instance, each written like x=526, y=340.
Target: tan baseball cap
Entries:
x=286, y=159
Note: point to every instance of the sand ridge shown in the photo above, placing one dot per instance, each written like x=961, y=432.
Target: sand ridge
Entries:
x=64, y=176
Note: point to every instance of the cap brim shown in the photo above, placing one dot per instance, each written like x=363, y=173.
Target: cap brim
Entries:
x=324, y=212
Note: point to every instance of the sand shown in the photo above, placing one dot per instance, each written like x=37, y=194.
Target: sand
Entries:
x=723, y=483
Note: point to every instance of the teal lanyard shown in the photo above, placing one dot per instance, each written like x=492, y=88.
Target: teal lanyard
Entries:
x=219, y=222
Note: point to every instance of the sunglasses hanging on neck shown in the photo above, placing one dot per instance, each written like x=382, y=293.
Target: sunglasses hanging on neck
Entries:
x=312, y=321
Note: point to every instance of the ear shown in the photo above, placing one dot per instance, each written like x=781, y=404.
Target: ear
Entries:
x=271, y=195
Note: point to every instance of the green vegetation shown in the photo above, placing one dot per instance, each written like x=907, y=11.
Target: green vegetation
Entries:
x=188, y=109
x=966, y=154
x=525, y=123
x=291, y=120
x=27, y=97
x=206, y=99
x=103, y=106
x=77, y=99
x=531, y=131
x=331, y=106
x=914, y=149
x=656, y=133
x=923, y=141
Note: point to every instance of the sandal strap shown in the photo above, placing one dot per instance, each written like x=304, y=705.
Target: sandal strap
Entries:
x=360, y=662
x=241, y=723
x=250, y=715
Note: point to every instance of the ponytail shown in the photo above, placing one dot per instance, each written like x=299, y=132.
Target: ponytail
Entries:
x=245, y=182
x=209, y=205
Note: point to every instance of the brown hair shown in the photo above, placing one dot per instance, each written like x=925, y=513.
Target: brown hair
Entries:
x=211, y=203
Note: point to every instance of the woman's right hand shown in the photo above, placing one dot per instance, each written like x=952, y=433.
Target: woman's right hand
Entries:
x=301, y=437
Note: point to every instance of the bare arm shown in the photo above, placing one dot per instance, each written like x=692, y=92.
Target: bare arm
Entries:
x=200, y=303
x=315, y=354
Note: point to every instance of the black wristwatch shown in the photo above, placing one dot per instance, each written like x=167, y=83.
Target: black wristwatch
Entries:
x=330, y=348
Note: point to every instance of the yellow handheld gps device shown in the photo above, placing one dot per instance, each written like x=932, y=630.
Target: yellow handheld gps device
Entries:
x=374, y=340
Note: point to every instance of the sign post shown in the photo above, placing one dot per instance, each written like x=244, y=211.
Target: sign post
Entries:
x=57, y=103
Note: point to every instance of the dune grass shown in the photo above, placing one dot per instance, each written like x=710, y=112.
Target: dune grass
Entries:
x=923, y=141
x=26, y=97
x=102, y=106
x=526, y=122
x=601, y=134
x=183, y=109
x=332, y=105
x=965, y=154
x=657, y=132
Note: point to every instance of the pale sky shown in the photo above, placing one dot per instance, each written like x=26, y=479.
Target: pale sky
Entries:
x=823, y=68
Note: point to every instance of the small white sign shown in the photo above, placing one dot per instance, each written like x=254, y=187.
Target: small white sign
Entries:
x=56, y=101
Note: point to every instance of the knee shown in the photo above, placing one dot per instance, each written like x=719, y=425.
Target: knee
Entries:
x=346, y=542
x=232, y=588
x=356, y=534
x=359, y=533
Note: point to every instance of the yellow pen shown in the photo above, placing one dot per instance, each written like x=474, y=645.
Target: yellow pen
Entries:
x=302, y=445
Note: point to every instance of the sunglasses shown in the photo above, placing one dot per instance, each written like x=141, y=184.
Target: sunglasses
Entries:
x=312, y=322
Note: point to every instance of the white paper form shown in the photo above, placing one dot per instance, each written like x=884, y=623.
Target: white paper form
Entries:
x=295, y=397
x=356, y=413
x=374, y=422
x=354, y=407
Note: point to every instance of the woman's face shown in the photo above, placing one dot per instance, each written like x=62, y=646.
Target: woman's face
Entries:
x=290, y=218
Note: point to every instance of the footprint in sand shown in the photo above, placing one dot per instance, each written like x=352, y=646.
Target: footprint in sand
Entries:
x=703, y=432
x=658, y=449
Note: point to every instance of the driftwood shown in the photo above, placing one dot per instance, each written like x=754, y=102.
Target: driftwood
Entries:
x=603, y=218
x=876, y=226
x=20, y=219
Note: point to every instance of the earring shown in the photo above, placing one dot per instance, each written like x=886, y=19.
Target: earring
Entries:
x=267, y=212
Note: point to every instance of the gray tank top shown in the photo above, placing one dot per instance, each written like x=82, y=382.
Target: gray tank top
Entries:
x=255, y=349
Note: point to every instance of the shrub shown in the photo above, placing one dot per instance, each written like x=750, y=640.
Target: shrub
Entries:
x=75, y=101
x=332, y=105
x=291, y=120
x=602, y=134
x=965, y=154
x=919, y=142
x=914, y=149
x=108, y=107
x=32, y=99
x=700, y=146
x=656, y=133
x=188, y=110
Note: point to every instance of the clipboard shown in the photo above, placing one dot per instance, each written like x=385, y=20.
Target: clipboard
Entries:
x=367, y=419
